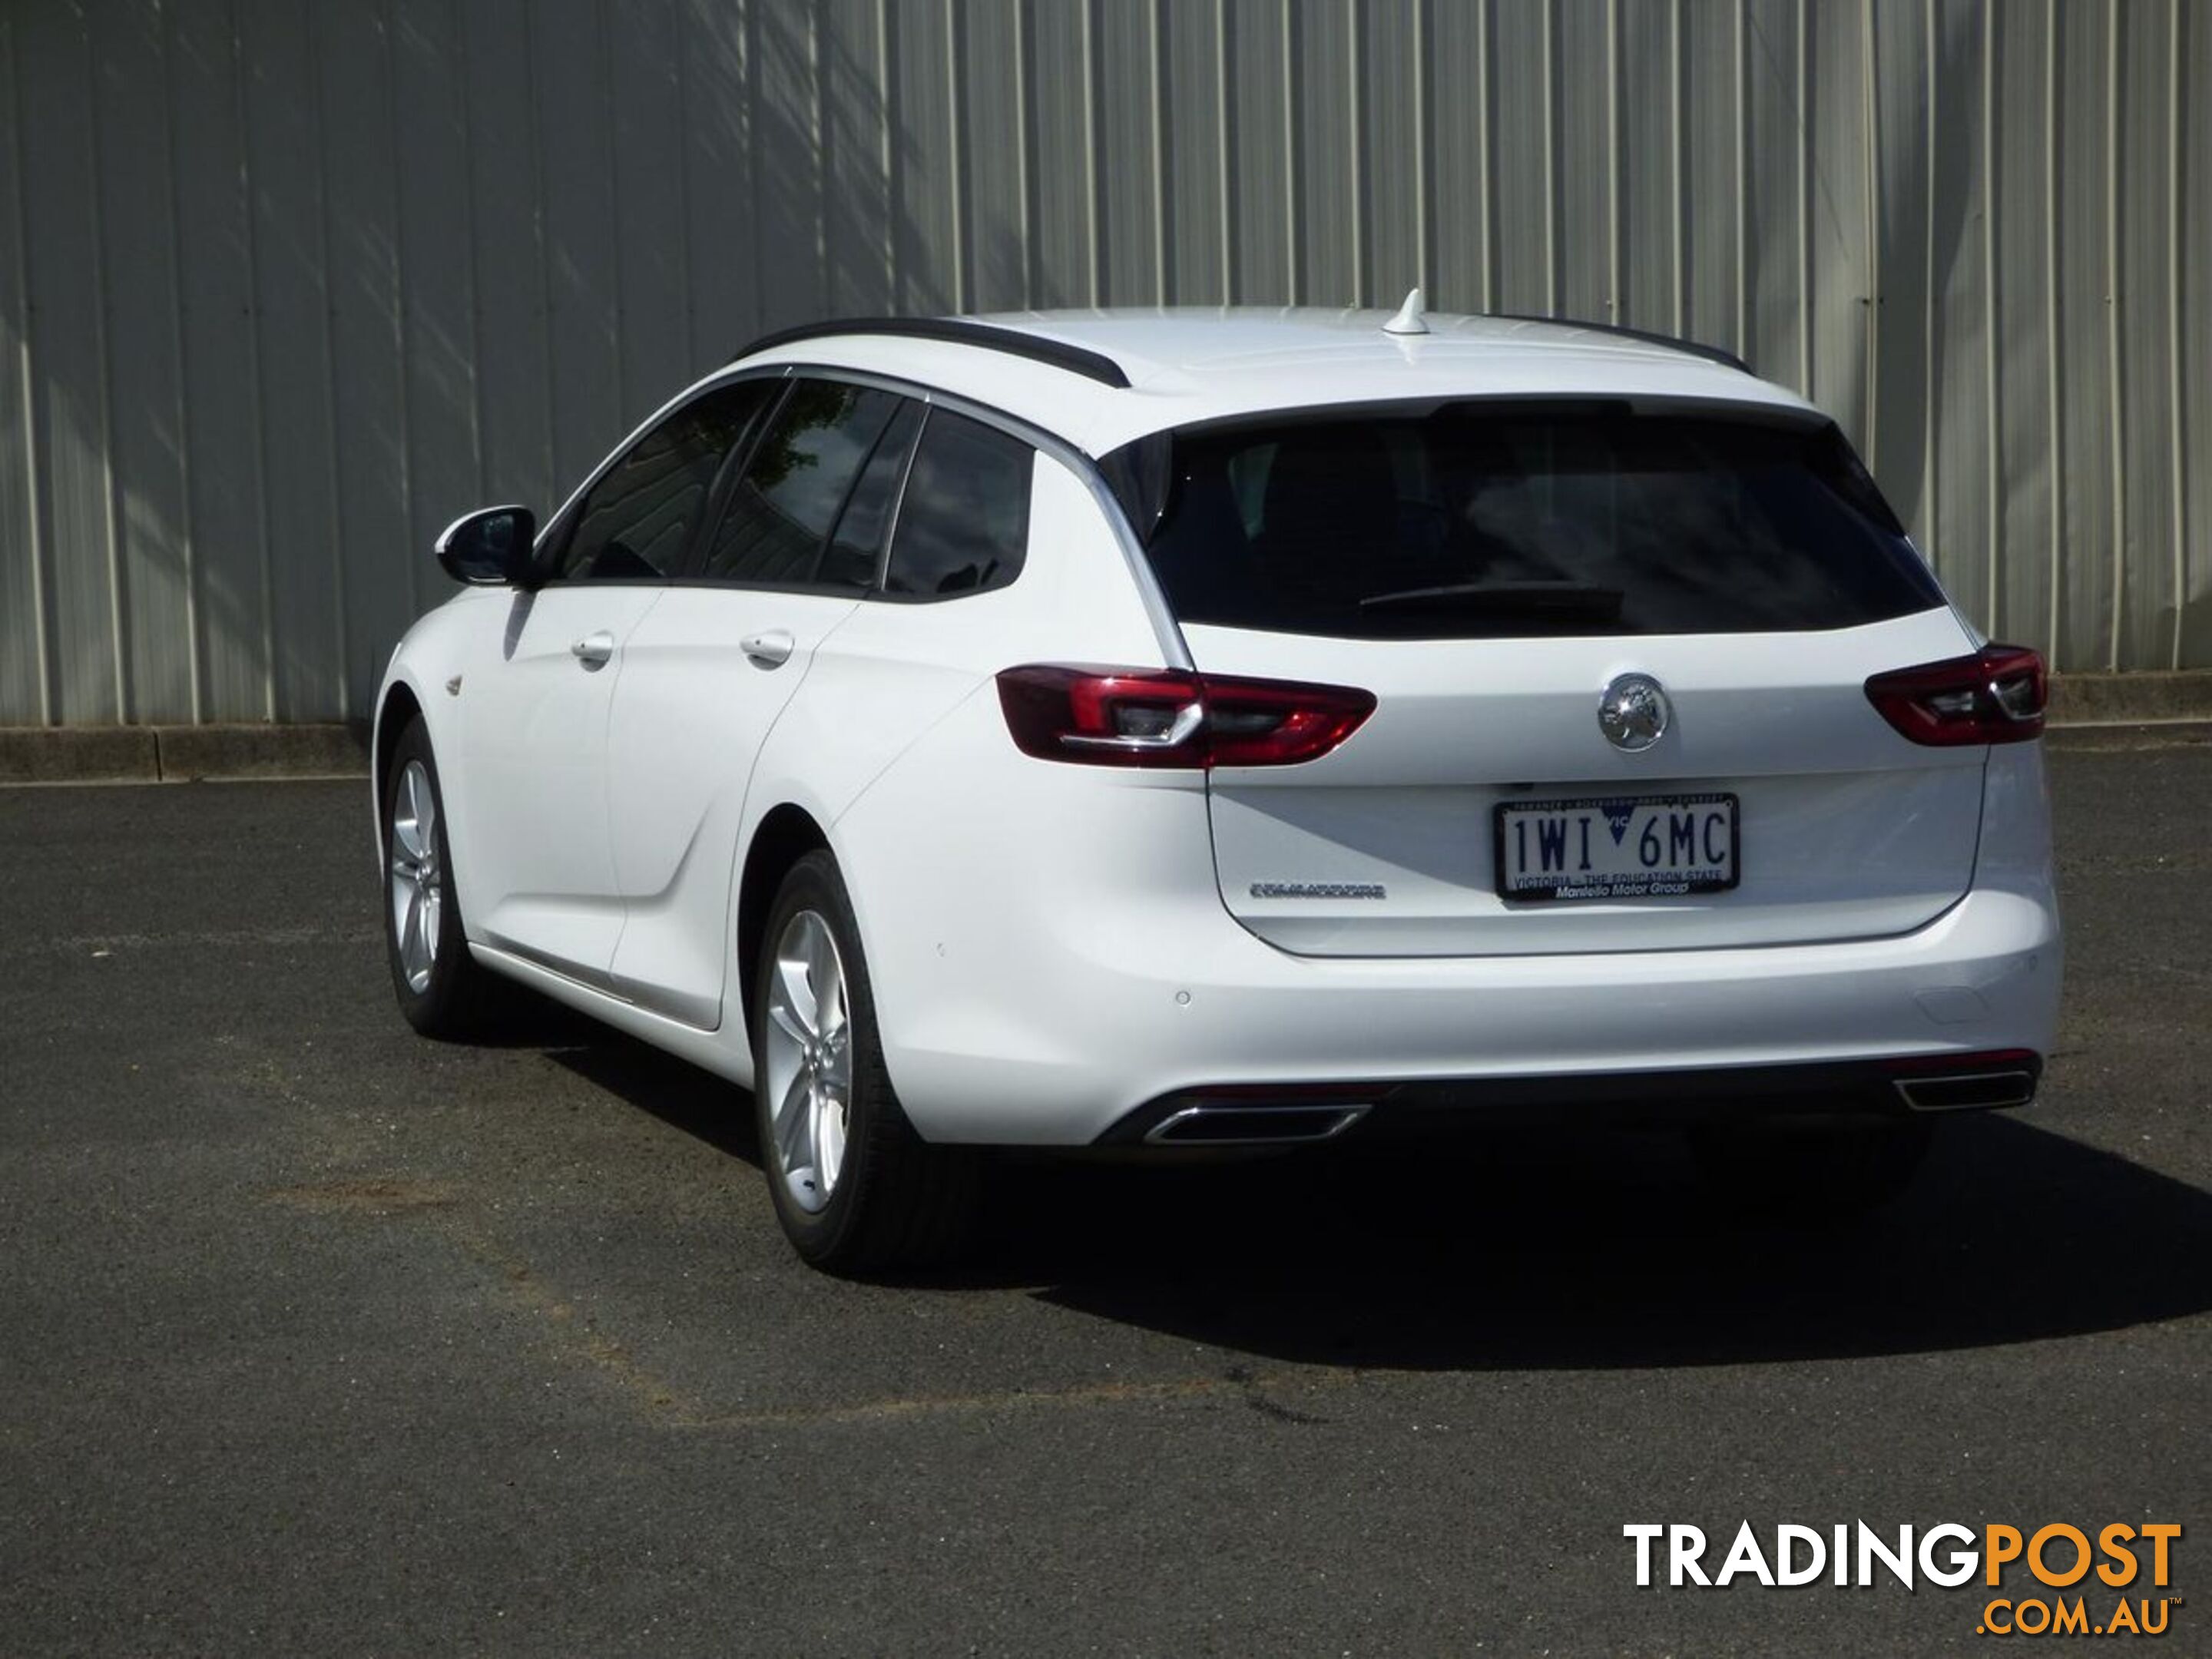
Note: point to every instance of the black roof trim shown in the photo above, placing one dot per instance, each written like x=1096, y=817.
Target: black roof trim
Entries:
x=1712, y=354
x=956, y=330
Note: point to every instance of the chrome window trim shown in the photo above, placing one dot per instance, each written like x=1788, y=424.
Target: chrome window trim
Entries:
x=883, y=570
x=1167, y=632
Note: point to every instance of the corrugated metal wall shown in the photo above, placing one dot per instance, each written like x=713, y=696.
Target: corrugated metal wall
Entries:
x=285, y=286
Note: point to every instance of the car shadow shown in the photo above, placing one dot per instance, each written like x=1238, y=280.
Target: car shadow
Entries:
x=1533, y=1251
x=679, y=1094
x=1590, y=1251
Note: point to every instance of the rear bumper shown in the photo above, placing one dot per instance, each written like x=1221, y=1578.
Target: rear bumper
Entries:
x=1250, y=1116
x=1066, y=1058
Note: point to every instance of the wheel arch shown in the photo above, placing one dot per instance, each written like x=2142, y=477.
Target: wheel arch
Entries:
x=786, y=833
x=400, y=709
x=396, y=710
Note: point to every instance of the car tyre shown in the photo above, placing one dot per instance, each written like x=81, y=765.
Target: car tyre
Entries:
x=856, y=1189
x=442, y=990
x=1812, y=1172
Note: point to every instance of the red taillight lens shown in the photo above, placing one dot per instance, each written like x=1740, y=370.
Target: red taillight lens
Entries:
x=1156, y=717
x=1995, y=696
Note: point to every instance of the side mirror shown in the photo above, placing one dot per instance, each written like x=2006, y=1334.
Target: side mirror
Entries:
x=491, y=548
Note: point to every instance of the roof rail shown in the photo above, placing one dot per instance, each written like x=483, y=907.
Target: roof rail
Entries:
x=958, y=331
x=1712, y=354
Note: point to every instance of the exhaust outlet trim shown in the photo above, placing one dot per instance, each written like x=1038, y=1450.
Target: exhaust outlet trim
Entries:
x=1219, y=1123
x=1963, y=1091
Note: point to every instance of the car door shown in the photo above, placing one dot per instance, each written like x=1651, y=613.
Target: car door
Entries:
x=533, y=719
x=798, y=532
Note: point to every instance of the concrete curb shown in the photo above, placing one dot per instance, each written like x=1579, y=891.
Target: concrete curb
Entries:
x=179, y=754
x=2130, y=699
x=73, y=754
x=2114, y=736
x=191, y=752
x=2087, y=711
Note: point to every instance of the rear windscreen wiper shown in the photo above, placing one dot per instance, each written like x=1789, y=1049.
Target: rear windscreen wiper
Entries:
x=1576, y=599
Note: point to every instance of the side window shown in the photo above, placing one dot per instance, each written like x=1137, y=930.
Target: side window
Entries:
x=778, y=520
x=857, y=546
x=636, y=520
x=964, y=524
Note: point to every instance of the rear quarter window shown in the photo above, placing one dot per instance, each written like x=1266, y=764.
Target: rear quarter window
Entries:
x=1490, y=521
x=964, y=523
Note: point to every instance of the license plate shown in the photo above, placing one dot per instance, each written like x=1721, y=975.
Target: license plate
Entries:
x=1639, y=846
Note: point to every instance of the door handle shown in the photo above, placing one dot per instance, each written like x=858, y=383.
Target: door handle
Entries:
x=770, y=650
x=593, y=649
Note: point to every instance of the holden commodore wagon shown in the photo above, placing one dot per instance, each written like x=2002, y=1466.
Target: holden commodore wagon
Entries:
x=1202, y=730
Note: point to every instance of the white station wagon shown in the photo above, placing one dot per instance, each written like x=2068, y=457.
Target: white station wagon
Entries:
x=1199, y=730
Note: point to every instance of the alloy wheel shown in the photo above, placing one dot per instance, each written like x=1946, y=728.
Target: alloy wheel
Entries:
x=418, y=881
x=809, y=1073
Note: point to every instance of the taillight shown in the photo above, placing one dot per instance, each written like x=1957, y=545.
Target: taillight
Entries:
x=1995, y=696
x=1155, y=717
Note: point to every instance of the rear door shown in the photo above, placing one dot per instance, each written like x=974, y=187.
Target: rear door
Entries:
x=1619, y=660
x=801, y=526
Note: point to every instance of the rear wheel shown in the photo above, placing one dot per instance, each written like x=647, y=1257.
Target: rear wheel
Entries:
x=442, y=990
x=1817, y=1170
x=855, y=1188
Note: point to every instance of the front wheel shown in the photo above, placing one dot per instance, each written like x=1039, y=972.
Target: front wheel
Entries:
x=442, y=990
x=855, y=1188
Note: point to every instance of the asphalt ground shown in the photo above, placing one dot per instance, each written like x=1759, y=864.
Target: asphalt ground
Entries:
x=315, y=1337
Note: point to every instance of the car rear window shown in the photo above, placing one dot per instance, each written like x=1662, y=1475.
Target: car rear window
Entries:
x=1506, y=521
